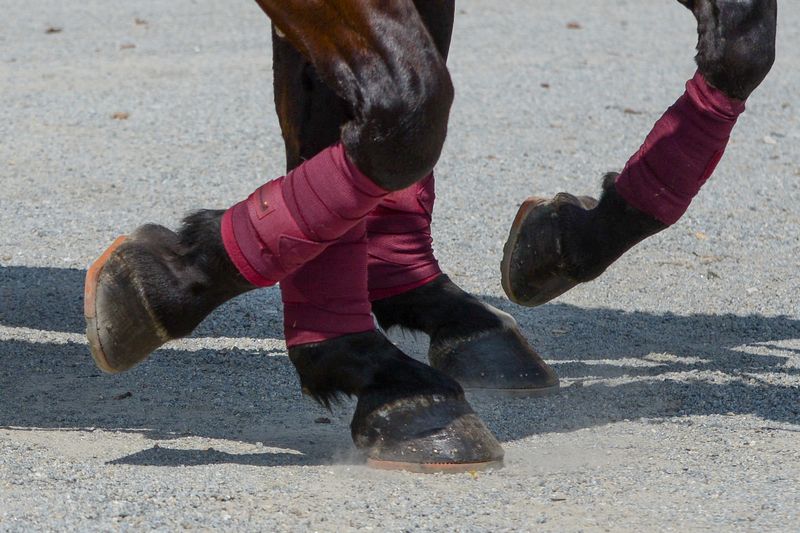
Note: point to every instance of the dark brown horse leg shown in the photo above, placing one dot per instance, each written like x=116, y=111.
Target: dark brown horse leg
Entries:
x=398, y=398
x=310, y=112
x=473, y=342
x=380, y=59
x=555, y=244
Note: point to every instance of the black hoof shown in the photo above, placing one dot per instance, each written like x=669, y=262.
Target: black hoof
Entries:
x=477, y=345
x=153, y=286
x=409, y=416
x=495, y=361
x=428, y=433
x=554, y=245
x=124, y=297
x=119, y=322
x=536, y=267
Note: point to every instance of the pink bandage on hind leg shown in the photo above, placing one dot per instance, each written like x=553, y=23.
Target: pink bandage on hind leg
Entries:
x=680, y=153
x=290, y=220
x=399, y=242
x=327, y=297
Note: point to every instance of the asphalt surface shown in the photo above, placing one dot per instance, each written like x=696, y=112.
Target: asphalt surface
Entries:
x=680, y=366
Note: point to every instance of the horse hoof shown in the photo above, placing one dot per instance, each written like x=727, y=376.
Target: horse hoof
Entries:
x=409, y=416
x=556, y=244
x=154, y=286
x=474, y=343
x=120, y=322
x=496, y=362
x=533, y=269
x=426, y=434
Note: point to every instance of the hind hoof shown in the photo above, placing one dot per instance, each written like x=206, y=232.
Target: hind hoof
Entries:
x=498, y=361
x=474, y=343
x=533, y=269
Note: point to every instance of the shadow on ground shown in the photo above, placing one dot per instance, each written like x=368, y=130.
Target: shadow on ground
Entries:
x=253, y=396
x=51, y=299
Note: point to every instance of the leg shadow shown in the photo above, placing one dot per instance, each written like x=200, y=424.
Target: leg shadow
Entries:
x=630, y=364
x=244, y=396
x=51, y=299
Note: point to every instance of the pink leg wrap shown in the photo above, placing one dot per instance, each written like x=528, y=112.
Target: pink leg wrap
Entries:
x=290, y=220
x=680, y=153
x=399, y=241
x=327, y=297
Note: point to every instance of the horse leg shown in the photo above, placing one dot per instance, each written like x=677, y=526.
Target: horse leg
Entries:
x=555, y=244
x=478, y=345
x=157, y=285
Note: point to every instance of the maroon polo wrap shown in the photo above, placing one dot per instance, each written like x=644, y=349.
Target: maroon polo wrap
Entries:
x=681, y=152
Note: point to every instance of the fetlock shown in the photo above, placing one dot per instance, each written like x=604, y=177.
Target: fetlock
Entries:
x=439, y=309
x=205, y=274
x=364, y=364
x=595, y=238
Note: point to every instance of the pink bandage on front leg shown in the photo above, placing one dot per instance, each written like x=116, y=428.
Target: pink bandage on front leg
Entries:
x=290, y=220
x=327, y=297
x=399, y=241
x=680, y=153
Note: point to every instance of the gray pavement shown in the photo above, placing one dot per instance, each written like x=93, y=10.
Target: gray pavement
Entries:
x=681, y=365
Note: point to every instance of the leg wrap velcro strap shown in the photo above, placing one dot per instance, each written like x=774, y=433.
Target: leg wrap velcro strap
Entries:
x=681, y=152
x=327, y=297
x=400, y=246
x=291, y=220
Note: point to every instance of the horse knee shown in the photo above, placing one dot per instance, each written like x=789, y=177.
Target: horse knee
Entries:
x=398, y=134
x=381, y=60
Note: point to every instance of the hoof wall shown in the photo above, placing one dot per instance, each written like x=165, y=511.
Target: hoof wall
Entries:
x=120, y=325
x=531, y=266
x=426, y=434
x=498, y=362
x=90, y=307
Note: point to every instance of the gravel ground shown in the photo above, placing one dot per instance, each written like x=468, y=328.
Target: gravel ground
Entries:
x=681, y=403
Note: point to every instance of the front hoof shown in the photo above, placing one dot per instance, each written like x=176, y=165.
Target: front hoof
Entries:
x=120, y=323
x=497, y=361
x=428, y=433
x=534, y=269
